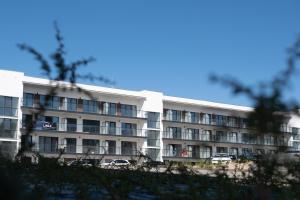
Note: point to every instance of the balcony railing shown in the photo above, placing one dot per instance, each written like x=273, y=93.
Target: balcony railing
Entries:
x=71, y=107
x=89, y=150
x=9, y=134
x=206, y=121
x=8, y=111
x=182, y=153
x=187, y=136
x=90, y=129
x=228, y=139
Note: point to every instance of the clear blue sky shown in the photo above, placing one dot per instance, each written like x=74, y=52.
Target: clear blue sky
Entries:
x=168, y=46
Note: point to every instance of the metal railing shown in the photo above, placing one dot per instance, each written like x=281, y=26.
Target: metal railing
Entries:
x=207, y=121
x=183, y=153
x=91, y=129
x=71, y=107
x=223, y=139
x=88, y=150
x=9, y=111
x=187, y=136
x=10, y=134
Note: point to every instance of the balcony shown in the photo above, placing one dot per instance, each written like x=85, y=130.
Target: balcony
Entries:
x=204, y=119
x=89, y=129
x=75, y=107
x=88, y=150
x=187, y=154
x=187, y=136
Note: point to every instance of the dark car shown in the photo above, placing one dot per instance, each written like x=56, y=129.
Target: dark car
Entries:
x=80, y=163
x=233, y=157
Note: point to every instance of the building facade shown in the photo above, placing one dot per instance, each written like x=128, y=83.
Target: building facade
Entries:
x=112, y=123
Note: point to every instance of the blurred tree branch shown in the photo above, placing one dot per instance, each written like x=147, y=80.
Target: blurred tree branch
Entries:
x=270, y=104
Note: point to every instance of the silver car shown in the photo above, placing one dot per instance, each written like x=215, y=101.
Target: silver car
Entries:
x=115, y=163
x=221, y=158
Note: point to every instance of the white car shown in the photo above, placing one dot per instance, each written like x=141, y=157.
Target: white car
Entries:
x=116, y=163
x=220, y=158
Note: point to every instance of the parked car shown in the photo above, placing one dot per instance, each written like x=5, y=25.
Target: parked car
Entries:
x=152, y=163
x=79, y=163
x=116, y=163
x=233, y=157
x=220, y=158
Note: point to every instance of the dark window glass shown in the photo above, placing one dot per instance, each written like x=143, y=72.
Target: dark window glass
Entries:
x=71, y=104
x=48, y=144
x=90, y=146
x=91, y=126
x=153, y=120
x=71, y=145
x=71, y=124
x=129, y=129
x=8, y=106
x=128, y=110
x=8, y=128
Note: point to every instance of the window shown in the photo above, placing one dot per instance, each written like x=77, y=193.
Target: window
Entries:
x=71, y=124
x=50, y=102
x=205, y=118
x=269, y=140
x=8, y=128
x=129, y=129
x=234, y=151
x=194, y=117
x=222, y=150
x=48, y=144
x=153, y=120
x=71, y=104
x=70, y=145
x=173, y=132
x=221, y=136
x=172, y=115
x=153, y=138
x=221, y=120
x=192, y=134
x=110, y=128
x=246, y=151
x=205, y=152
x=295, y=130
x=110, y=109
x=232, y=122
x=109, y=147
x=8, y=106
x=173, y=150
x=128, y=110
x=28, y=100
x=91, y=126
x=90, y=146
x=206, y=135
x=248, y=138
x=90, y=106
x=128, y=148
x=243, y=123
x=232, y=137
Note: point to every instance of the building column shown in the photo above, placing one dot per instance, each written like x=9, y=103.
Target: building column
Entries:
x=118, y=146
x=79, y=125
x=79, y=145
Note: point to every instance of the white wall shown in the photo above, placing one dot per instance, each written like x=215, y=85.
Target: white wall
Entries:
x=11, y=84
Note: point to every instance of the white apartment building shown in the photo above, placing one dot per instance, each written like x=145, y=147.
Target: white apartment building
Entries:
x=120, y=124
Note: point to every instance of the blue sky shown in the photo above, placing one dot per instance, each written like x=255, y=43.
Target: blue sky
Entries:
x=168, y=46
